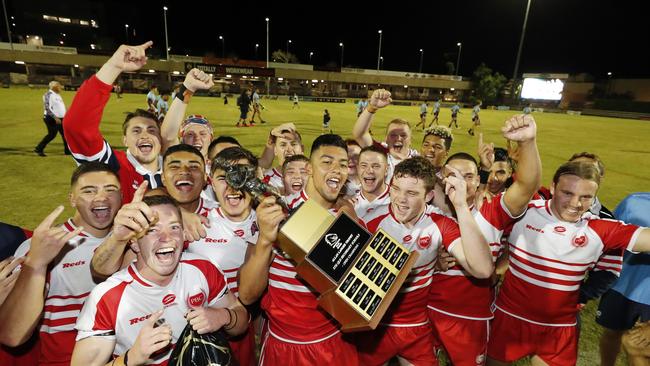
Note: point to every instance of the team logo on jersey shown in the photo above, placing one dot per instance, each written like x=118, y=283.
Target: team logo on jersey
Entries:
x=169, y=299
x=197, y=300
x=559, y=230
x=580, y=241
x=239, y=233
x=254, y=228
x=135, y=184
x=424, y=242
x=407, y=239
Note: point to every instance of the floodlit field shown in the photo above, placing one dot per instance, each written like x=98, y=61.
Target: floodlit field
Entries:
x=33, y=186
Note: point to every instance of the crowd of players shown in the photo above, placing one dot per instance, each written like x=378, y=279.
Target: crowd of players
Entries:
x=159, y=239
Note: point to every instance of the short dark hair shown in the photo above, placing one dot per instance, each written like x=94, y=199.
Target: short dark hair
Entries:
x=501, y=154
x=137, y=113
x=417, y=167
x=591, y=156
x=91, y=167
x=159, y=200
x=328, y=140
x=183, y=147
x=230, y=155
x=462, y=156
x=580, y=169
x=221, y=140
x=376, y=149
x=351, y=142
x=293, y=158
x=441, y=131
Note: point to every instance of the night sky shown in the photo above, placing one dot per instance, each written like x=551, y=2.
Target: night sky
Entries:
x=562, y=36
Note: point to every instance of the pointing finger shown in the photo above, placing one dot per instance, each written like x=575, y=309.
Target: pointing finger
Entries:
x=49, y=219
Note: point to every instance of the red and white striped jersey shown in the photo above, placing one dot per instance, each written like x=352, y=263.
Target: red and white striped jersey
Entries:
x=363, y=207
x=430, y=232
x=455, y=292
x=69, y=282
x=117, y=308
x=549, y=259
x=205, y=206
x=393, y=161
x=273, y=177
x=225, y=244
x=290, y=304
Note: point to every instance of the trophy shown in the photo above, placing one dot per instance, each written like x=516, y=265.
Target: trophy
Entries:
x=357, y=274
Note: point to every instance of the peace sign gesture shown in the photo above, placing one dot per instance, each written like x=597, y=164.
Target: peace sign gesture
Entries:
x=48, y=240
x=133, y=219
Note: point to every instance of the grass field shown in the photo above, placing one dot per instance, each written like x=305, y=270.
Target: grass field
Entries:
x=33, y=186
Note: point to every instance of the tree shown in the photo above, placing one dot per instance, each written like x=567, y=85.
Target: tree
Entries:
x=281, y=56
x=487, y=84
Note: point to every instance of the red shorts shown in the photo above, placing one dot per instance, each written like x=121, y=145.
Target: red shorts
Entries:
x=513, y=338
x=464, y=340
x=332, y=351
x=243, y=347
x=414, y=344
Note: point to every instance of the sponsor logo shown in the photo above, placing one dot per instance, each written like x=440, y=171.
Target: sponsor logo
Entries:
x=559, y=229
x=407, y=239
x=424, y=242
x=580, y=241
x=73, y=264
x=197, y=300
x=212, y=240
x=135, y=184
x=530, y=227
x=239, y=233
x=169, y=299
x=137, y=320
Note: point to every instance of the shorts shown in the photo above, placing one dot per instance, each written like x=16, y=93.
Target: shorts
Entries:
x=332, y=351
x=464, y=340
x=423, y=115
x=243, y=347
x=435, y=114
x=617, y=312
x=512, y=338
x=243, y=113
x=414, y=344
x=476, y=120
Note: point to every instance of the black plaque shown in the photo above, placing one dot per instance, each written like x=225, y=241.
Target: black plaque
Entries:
x=338, y=248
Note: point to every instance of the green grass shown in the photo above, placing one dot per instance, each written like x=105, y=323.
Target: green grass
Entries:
x=33, y=186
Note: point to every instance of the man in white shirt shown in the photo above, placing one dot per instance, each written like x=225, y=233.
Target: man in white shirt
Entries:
x=53, y=113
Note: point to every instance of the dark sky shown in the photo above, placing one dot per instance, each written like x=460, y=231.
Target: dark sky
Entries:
x=564, y=36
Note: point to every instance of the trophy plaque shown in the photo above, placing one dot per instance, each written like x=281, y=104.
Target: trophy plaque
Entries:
x=356, y=273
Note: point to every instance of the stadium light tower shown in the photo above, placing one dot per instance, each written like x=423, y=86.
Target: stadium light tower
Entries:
x=126, y=32
x=256, y=47
x=310, y=55
x=381, y=60
x=379, y=53
x=521, y=45
x=4, y=9
x=287, y=58
x=166, y=37
x=268, y=79
x=223, y=47
x=342, y=50
x=421, y=59
x=460, y=48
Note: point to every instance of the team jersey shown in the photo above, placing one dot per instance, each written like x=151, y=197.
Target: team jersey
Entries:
x=423, y=108
x=69, y=282
x=363, y=207
x=225, y=244
x=290, y=304
x=454, y=110
x=430, y=232
x=455, y=292
x=205, y=206
x=549, y=259
x=86, y=143
x=475, y=111
x=436, y=107
x=352, y=188
x=393, y=161
x=273, y=177
x=117, y=308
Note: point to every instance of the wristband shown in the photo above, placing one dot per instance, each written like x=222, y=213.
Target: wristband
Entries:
x=483, y=175
x=234, y=323
x=126, y=358
x=371, y=109
x=184, y=94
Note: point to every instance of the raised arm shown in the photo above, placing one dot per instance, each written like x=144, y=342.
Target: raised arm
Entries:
x=195, y=80
x=254, y=273
x=361, y=131
x=471, y=250
x=523, y=130
x=23, y=307
x=268, y=154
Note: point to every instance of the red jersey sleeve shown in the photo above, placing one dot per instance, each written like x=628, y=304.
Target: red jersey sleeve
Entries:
x=615, y=234
x=449, y=229
x=496, y=213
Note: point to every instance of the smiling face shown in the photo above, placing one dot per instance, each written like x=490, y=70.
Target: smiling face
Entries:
x=159, y=250
x=469, y=173
x=96, y=196
x=572, y=197
x=184, y=177
x=398, y=139
x=287, y=145
x=142, y=138
x=373, y=168
x=499, y=174
x=353, y=160
x=433, y=148
x=295, y=177
x=236, y=205
x=328, y=170
x=408, y=197
x=198, y=136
